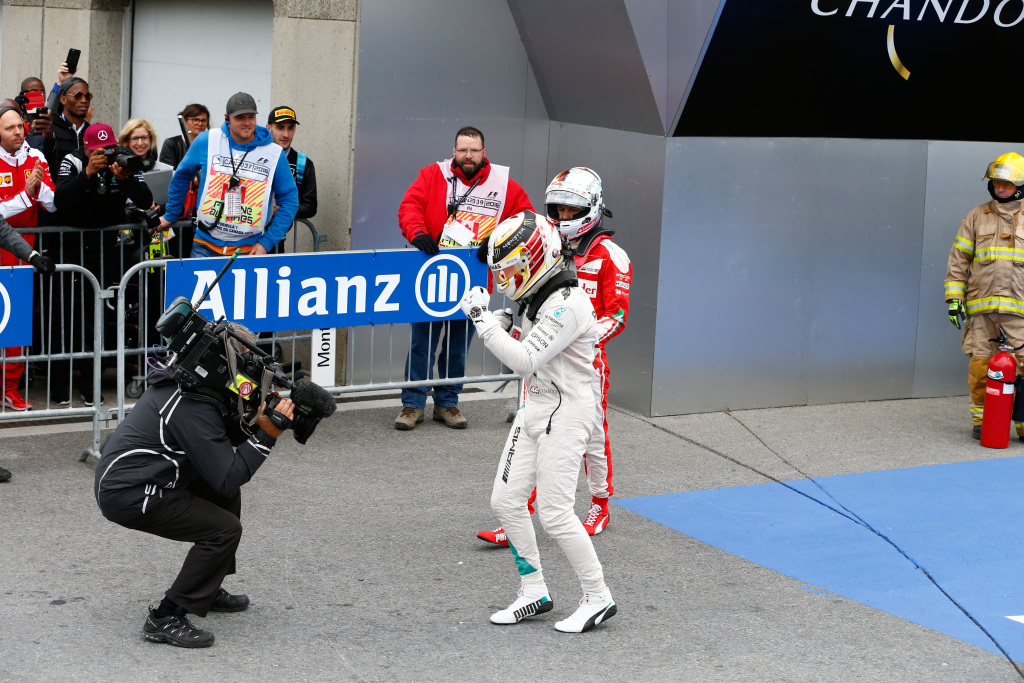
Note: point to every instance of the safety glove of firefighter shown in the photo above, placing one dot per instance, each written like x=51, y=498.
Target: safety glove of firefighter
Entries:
x=425, y=244
x=42, y=264
x=474, y=305
x=957, y=312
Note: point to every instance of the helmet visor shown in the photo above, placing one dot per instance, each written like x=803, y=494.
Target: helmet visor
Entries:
x=508, y=268
x=566, y=198
x=1009, y=172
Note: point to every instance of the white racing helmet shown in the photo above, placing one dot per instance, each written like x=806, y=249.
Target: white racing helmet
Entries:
x=524, y=251
x=579, y=187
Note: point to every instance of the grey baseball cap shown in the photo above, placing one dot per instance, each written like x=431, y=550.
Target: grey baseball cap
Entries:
x=241, y=103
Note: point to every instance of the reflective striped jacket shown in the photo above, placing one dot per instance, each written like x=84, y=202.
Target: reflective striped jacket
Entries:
x=986, y=262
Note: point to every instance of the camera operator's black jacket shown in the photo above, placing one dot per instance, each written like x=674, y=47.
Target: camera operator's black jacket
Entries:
x=169, y=441
x=307, y=190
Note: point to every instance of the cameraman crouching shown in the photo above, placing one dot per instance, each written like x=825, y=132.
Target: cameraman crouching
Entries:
x=173, y=468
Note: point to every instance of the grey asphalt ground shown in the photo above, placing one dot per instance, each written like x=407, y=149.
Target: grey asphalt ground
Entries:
x=360, y=557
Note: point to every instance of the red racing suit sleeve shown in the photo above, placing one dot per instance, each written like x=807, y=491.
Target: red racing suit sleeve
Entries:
x=614, y=278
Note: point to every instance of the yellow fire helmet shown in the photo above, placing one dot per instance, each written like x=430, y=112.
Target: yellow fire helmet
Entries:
x=525, y=251
x=1008, y=167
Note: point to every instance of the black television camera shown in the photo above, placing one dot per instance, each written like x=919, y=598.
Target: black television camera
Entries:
x=123, y=157
x=202, y=360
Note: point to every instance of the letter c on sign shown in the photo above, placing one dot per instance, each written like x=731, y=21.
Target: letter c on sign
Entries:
x=7, y=308
x=817, y=10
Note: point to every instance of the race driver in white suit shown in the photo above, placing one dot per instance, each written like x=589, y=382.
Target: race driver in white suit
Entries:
x=545, y=447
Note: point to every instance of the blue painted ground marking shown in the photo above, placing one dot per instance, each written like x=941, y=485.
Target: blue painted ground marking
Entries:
x=962, y=522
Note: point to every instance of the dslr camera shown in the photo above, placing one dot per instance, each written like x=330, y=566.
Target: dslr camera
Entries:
x=202, y=360
x=123, y=157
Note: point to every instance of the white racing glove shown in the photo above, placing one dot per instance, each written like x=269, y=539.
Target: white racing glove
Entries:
x=504, y=318
x=474, y=305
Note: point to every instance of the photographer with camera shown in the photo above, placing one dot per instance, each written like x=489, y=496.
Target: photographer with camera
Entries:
x=93, y=186
x=173, y=468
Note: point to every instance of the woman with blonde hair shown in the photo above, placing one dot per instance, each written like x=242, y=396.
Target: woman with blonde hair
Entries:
x=138, y=136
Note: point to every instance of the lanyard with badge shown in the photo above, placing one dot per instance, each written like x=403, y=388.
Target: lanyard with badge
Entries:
x=232, y=206
x=454, y=232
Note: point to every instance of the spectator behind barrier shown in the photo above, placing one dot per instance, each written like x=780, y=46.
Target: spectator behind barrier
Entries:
x=197, y=120
x=138, y=135
x=11, y=241
x=39, y=128
x=19, y=199
x=444, y=207
x=281, y=124
x=236, y=217
x=69, y=122
x=91, y=193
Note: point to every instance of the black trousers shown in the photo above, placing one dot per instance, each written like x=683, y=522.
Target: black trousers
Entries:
x=211, y=522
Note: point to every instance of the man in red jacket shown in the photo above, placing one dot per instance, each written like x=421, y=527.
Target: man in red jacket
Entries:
x=452, y=203
x=25, y=185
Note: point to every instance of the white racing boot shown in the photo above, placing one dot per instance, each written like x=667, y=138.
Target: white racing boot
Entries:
x=594, y=608
x=532, y=600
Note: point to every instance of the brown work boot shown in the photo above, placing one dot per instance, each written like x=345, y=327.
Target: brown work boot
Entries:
x=450, y=416
x=409, y=418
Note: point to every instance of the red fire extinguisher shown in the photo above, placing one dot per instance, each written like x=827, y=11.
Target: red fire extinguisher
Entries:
x=1002, y=371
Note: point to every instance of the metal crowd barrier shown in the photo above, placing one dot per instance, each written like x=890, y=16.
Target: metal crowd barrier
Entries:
x=129, y=287
x=57, y=326
x=131, y=386
x=60, y=339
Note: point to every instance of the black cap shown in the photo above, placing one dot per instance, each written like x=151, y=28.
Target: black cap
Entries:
x=241, y=103
x=282, y=115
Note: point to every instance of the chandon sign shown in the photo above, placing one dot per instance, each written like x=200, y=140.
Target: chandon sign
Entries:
x=901, y=69
x=1006, y=14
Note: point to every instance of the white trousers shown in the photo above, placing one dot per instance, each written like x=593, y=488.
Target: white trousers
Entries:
x=551, y=462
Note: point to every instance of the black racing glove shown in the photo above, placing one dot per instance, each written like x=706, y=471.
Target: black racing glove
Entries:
x=957, y=312
x=425, y=244
x=481, y=252
x=42, y=264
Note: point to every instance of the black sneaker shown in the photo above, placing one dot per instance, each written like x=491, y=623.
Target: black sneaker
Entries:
x=976, y=431
x=175, y=630
x=226, y=602
x=4, y=474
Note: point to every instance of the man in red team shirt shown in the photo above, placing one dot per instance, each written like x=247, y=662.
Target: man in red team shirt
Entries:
x=452, y=203
x=25, y=185
x=574, y=202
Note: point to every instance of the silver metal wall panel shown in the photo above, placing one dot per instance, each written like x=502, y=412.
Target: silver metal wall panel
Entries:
x=588, y=64
x=417, y=87
x=689, y=25
x=954, y=187
x=867, y=259
x=788, y=272
x=649, y=19
x=460, y=60
x=631, y=167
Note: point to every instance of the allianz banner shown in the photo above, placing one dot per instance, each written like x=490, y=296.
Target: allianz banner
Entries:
x=16, y=298
x=897, y=69
x=336, y=289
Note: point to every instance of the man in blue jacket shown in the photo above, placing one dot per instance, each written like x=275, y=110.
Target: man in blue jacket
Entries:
x=243, y=174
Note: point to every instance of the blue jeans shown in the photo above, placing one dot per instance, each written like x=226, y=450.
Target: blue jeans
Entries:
x=202, y=251
x=451, y=361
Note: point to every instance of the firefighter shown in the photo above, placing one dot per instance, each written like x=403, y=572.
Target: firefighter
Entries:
x=985, y=276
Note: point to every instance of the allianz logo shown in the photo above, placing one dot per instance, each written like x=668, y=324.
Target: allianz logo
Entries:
x=439, y=286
